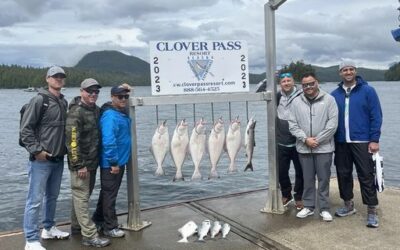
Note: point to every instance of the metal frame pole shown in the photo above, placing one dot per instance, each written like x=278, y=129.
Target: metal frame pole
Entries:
x=274, y=200
x=134, y=221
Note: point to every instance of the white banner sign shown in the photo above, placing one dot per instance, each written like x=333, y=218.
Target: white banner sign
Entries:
x=198, y=67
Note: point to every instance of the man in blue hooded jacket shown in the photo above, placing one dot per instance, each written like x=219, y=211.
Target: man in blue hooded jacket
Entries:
x=115, y=153
x=357, y=138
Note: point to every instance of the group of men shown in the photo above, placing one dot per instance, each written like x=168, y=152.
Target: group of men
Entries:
x=90, y=136
x=312, y=126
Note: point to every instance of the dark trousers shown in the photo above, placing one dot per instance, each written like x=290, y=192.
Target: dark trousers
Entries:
x=285, y=155
x=347, y=154
x=105, y=211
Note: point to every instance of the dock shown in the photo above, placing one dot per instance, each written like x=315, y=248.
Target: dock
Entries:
x=250, y=229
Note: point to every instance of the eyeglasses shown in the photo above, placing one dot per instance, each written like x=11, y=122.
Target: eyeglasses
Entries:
x=92, y=91
x=121, y=97
x=283, y=75
x=308, y=85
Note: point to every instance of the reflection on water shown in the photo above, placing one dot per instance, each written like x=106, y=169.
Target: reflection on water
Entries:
x=161, y=190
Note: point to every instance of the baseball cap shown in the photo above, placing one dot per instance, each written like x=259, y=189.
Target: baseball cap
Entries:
x=346, y=63
x=89, y=82
x=55, y=70
x=117, y=90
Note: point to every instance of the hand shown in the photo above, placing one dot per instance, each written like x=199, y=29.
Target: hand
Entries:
x=312, y=142
x=83, y=173
x=114, y=170
x=42, y=156
x=373, y=147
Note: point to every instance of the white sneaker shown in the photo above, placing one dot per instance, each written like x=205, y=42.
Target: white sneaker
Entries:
x=54, y=233
x=34, y=245
x=326, y=216
x=304, y=213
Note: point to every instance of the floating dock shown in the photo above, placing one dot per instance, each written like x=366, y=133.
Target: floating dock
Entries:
x=250, y=229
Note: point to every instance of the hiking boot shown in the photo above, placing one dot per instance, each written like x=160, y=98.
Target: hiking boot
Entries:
x=115, y=233
x=372, y=220
x=326, y=216
x=34, y=245
x=299, y=205
x=54, y=233
x=95, y=241
x=305, y=212
x=347, y=210
x=287, y=200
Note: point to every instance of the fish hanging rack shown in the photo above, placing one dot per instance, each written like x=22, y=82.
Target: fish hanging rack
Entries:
x=199, y=99
x=134, y=221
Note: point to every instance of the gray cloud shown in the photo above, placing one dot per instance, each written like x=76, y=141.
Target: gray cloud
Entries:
x=318, y=32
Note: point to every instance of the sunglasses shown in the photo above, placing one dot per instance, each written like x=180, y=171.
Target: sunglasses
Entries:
x=121, y=97
x=92, y=91
x=308, y=85
x=283, y=75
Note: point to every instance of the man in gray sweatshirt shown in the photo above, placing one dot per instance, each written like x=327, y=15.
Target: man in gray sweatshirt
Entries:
x=313, y=121
x=43, y=137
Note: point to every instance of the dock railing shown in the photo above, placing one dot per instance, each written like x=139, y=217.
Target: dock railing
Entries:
x=134, y=221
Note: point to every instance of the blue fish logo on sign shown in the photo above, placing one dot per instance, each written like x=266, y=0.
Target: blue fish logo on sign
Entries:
x=200, y=67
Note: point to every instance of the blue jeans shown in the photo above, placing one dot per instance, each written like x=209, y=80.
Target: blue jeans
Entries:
x=44, y=186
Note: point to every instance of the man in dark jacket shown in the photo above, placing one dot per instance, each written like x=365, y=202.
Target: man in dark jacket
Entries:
x=83, y=142
x=44, y=139
x=357, y=138
x=287, y=143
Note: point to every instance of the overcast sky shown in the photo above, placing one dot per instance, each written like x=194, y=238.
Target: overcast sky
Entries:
x=321, y=32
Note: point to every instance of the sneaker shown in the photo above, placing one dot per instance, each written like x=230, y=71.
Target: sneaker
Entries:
x=95, y=241
x=372, y=220
x=286, y=201
x=347, y=210
x=304, y=213
x=115, y=233
x=54, y=233
x=34, y=245
x=326, y=216
x=299, y=205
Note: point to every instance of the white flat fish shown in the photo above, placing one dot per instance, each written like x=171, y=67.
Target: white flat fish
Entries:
x=215, y=146
x=249, y=143
x=197, y=147
x=233, y=143
x=160, y=146
x=187, y=230
x=379, y=180
x=225, y=230
x=216, y=228
x=179, y=146
x=203, y=231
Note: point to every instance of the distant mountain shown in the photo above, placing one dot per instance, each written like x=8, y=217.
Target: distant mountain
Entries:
x=111, y=60
x=331, y=74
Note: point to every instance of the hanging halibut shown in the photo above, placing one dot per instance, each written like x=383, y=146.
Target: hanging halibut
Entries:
x=179, y=145
x=160, y=146
x=197, y=146
x=215, y=146
x=233, y=143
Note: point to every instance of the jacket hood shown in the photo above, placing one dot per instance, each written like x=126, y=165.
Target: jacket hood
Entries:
x=47, y=92
x=321, y=94
x=76, y=101
x=108, y=105
x=359, y=81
